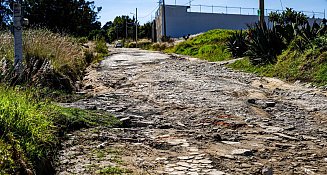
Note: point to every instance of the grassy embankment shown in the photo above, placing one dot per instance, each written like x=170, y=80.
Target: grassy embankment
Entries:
x=309, y=65
x=209, y=46
x=292, y=65
x=31, y=126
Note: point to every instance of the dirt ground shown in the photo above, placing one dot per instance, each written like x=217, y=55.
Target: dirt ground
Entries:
x=186, y=116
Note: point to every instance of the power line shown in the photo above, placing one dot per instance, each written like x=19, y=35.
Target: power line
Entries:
x=281, y=4
x=150, y=12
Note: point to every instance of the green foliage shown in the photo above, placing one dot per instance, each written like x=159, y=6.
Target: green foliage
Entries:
x=264, y=44
x=113, y=170
x=209, y=45
x=101, y=47
x=309, y=65
x=66, y=54
x=64, y=16
x=236, y=44
x=5, y=13
x=29, y=128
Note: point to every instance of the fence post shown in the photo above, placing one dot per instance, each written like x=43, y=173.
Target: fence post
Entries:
x=212, y=8
x=240, y=10
x=18, y=35
x=226, y=9
x=200, y=8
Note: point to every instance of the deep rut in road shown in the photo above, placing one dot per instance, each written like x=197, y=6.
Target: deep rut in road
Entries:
x=194, y=117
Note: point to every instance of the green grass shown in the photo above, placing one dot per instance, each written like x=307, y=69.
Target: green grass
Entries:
x=31, y=128
x=67, y=55
x=113, y=171
x=209, y=46
x=292, y=65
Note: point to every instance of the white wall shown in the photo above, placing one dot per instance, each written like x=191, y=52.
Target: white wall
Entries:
x=180, y=22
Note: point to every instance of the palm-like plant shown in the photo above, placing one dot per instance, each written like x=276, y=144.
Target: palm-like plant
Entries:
x=236, y=44
x=264, y=44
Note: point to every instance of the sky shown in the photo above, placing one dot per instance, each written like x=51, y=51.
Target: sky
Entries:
x=147, y=8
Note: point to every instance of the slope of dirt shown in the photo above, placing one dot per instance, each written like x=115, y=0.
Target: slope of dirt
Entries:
x=194, y=117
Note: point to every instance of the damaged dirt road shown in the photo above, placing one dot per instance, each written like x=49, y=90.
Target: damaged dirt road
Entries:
x=182, y=116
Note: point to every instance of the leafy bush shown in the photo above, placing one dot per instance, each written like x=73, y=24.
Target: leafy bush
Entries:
x=236, y=44
x=264, y=44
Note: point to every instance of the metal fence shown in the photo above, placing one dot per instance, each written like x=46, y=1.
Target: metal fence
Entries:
x=245, y=11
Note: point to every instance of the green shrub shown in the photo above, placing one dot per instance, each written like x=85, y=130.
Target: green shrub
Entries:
x=236, y=44
x=264, y=44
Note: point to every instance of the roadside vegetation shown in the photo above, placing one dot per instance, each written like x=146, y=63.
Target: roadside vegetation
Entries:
x=51, y=60
x=209, y=46
x=292, y=49
x=31, y=125
x=31, y=128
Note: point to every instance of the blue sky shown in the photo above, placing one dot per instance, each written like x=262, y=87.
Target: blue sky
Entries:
x=113, y=8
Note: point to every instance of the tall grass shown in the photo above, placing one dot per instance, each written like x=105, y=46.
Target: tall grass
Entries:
x=30, y=128
x=67, y=55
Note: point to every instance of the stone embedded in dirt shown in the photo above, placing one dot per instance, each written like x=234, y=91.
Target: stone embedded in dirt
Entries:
x=216, y=137
x=166, y=126
x=230, y=143
x=251, y=101
x=184, y=164
x=273, y=129
x=161, y=159
x=325, y=159
x=216, y=172
x=180, y=168
x=205, y=161
x=242, y=152
x=270, y=104
x=185, y=157
x=126, y=122
x=267, y=171
x=286, y=136
x=102, y=145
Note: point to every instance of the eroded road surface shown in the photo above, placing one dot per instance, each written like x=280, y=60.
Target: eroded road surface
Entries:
x=192, y=117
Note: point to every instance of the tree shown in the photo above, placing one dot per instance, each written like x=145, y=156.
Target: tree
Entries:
x=117, y=29
x=146, y=30
x=77, y=17
x=5, y=14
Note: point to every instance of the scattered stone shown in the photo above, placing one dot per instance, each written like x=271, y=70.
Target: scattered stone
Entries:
x=251, y=101
x=166, y=126
x=286, y=136
x=185, y=157
x=230, y=143
x=216, y=137
x=161, y=159
x=180, y=168
x=242, y=152
x=102, y=145
x=126, y=122
x=270, y=104
x=267, y=171
x=216, y=172
x=205, y=161
x=184, y=164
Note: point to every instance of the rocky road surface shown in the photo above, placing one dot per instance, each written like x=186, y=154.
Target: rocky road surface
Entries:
x=186, y=116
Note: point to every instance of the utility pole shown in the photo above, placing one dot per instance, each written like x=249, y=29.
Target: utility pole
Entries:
x=18, y=35
x=164, y=16
x=262, y=12
x=136, y=25
x=126, y=27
